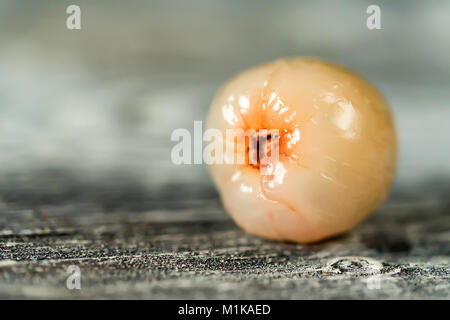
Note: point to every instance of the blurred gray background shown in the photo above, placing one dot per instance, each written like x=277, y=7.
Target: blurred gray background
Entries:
x=95, y=107
x=85, y=171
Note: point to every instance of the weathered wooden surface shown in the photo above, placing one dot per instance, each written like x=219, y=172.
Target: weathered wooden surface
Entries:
x=128, y=245
x=85, y=171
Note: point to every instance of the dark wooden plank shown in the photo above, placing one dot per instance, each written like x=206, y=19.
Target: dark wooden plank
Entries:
x=191, y=249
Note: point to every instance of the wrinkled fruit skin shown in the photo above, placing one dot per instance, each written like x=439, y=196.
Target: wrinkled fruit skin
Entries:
x=337, y=149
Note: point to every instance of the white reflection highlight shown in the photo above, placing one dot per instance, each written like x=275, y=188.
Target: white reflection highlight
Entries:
x=229, y=115
x=236, y=176
x=244, y=104
x=245, y=188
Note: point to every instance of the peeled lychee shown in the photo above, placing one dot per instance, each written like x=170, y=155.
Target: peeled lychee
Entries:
x=337, y=149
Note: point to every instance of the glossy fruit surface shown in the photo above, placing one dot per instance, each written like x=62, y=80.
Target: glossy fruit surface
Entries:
x=337, y=149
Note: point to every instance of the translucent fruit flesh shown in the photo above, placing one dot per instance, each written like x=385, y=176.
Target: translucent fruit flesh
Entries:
x=337, y=149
